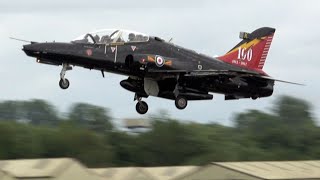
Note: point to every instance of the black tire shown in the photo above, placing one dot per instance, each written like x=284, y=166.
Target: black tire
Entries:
x=64, y=84
x=255, y=97
x=142, y=107
x=181, y=102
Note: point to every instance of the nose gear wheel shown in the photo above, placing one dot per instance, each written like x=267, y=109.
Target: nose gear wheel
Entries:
x=64, y=84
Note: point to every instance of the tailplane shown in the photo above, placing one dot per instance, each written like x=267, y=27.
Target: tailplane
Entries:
x=252, y=51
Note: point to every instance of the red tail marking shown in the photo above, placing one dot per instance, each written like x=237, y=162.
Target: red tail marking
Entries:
x=251, y=54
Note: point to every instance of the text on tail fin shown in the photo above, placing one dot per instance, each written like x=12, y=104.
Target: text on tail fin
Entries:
x=252, y=51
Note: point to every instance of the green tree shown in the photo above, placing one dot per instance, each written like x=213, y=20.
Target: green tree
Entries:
x=9, y=110
x=293, y=111
x=92, y=117
x=40, y=112
x=289, y=132
x=126, y=148
x=70, y=140
x=168, y=143
x=19, y=141
x=218, y=143
x=37, y=112
x=286, y=134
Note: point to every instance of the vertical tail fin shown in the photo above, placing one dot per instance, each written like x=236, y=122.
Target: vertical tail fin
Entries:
x=252, y=51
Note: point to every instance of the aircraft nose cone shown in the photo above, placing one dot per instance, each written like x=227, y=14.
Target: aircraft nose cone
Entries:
x=31, y=49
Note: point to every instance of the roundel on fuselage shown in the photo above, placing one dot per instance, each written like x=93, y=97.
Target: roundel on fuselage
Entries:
x=160, y=61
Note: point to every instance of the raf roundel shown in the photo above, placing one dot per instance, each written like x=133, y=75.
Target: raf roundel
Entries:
x=159, y=61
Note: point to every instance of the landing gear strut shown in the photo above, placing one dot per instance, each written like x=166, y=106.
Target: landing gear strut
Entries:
x=181, y=102
x=64, y=82
x=141, y=106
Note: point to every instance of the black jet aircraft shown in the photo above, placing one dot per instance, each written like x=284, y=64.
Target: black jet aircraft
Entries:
x=162, y=69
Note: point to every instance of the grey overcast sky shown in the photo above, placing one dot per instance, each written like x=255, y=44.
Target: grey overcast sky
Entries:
x=207, y=26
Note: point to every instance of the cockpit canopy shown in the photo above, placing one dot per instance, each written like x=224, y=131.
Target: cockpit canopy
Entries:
x=107, y=36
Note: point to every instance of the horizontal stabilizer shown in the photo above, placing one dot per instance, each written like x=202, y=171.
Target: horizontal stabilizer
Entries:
x=288, y=82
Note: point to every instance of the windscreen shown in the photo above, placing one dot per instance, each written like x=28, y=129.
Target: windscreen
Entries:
x=111, y=36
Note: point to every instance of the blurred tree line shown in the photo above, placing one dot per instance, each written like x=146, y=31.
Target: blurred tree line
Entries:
x=35, y=129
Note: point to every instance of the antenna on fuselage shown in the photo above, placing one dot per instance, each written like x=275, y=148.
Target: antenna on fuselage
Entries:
x=22, y=40
x=19, y=39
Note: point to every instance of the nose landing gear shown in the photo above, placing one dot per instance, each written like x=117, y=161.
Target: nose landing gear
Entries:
x=64, y=82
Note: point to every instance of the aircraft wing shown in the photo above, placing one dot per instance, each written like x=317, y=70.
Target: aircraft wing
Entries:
x=238, y=73
x=204, y=72
x=231, y=73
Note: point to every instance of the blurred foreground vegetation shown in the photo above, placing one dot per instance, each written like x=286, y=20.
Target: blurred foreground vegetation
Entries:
x=34, y=129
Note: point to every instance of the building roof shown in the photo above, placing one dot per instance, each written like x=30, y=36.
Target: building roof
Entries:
x=27, y=168
x=276, y=169
x=121, y=173
x=154, y=173
x=5, y=175
x=115, y=173
x=136, y=123
x=169, y=172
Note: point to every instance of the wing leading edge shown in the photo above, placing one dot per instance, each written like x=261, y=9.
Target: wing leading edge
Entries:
x=208, y=73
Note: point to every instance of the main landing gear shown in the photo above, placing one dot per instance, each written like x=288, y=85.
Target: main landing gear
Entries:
x=141, y=106
x=181, y=102
x=64, y=82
